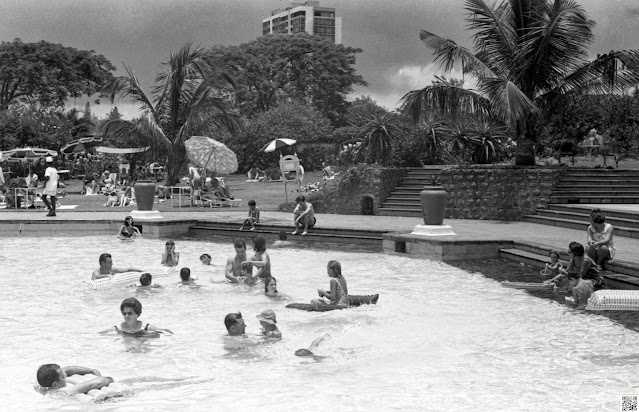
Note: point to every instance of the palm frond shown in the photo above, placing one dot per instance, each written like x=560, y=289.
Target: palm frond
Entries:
x=444, y=100
x=450, y=53
x=508, y=101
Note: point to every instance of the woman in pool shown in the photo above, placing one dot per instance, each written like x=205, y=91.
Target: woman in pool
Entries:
x=131, y=309
x=270, y=287
x=261, y=259
x=170, y=257
x=338, y=293
x=128, y=230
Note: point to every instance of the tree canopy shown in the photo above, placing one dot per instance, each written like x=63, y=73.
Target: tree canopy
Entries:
x=301, y=67
x=526, y=53
x=48, y=74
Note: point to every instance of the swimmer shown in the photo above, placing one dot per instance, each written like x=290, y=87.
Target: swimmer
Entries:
x=235, y=325
x=170, y=257
x=247, y=273
x=128, y=230
x=146, y=281
x=205, y=259
x=270, y=287
x=106, y=268
x=53, y=377
x=131, y=309
x=261, y=259
x=185, y=276
x=338, y=294
x=269, y=324
x=234, y=263
x=282, y=240
x=309, y=352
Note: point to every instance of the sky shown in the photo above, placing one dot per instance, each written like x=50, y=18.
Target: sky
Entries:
x=143, y=33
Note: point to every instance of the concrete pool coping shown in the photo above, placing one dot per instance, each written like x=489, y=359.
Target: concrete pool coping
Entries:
x=473, y=237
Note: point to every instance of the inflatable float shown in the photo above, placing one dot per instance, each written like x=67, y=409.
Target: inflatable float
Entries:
x=114, y=389
x=127, y=278
x=354, y=300
x=528, y=286
x=614, y=299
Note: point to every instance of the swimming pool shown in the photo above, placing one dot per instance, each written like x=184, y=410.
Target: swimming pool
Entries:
x=440, y=338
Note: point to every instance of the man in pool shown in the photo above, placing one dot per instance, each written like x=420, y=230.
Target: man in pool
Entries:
x=234, y=263
x=106, y=268
x=53, y=377
x=235, y=324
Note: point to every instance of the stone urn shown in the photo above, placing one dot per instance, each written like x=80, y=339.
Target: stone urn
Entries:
x=433, y=199
x=144, y=194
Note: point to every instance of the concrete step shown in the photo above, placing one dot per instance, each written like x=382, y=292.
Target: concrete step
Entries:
x=585, y=217
x=403, y=200
x=566, y=189
x=406, y=206
x=377, y=234
x=577, y=224
x=608, y=212
x=612, y=279
x=395, y=211
x=590, y=192
x=593, y=199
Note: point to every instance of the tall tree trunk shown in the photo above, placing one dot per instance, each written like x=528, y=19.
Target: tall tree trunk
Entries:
x=176, y=160
x=525, y=152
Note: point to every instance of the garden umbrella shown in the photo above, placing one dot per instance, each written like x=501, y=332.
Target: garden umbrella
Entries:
x=273, y=145
x=29, y=153
x=211, y=155
x=81, y=144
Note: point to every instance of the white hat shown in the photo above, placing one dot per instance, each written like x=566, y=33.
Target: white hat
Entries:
x=49, y=159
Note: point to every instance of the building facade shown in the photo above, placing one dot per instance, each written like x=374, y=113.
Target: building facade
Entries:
x=306, y=17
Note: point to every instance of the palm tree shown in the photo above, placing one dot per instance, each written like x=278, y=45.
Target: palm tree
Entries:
x=377, y=134
x=188, y=99
x=526, y=52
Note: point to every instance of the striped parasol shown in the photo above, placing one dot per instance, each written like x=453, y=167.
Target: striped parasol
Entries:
x=273, y=145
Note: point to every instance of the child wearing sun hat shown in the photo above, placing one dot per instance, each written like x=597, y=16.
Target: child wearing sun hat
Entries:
x=268, y=321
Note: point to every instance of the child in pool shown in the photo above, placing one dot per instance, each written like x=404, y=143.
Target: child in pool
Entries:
x=261, y=259
x=128, y=230
x=282, y=240
x=338, y=293
x=53, y=377
x=253, y=216
x=247, y=273
x=146, y=282
x=270, y=287
x=170, y=257
x=269, y=328
x=131, y=309
x=554, y=266
x=205, y=259
x=185, y=275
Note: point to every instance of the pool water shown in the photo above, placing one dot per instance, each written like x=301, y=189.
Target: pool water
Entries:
x=440, y=338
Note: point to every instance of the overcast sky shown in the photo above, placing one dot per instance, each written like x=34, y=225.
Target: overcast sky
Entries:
x=142, y=33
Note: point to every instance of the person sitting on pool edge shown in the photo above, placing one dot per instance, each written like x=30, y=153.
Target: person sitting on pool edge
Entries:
x=235, y=324
x=106, y=268
x=303, y=216
x=54, y=377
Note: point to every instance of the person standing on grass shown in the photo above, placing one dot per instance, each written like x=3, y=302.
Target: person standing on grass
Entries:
x=50, y=186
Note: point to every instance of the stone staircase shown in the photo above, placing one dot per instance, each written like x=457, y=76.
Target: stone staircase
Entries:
x=404, y=200
x=587, y=186
x=617, y=274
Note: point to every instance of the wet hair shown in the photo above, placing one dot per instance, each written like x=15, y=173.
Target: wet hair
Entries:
x=247, y=266
x=170, y=243
x=282, y=235
x=259, y=244
x=48, y=374
x=251, y=202
x=126, y=220
x=555, y=252
x=146, y=279
x=104, y=257
x=185, y=273
x=336, y=267
x=597, y=216
x=231, y=319
x=576, y=248
x=205, y=255
x=300, y=199
x=267, y=282
x=132, y=303
x=239, y=243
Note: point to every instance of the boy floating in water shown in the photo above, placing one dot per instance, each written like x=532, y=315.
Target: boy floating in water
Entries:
x=53, y=377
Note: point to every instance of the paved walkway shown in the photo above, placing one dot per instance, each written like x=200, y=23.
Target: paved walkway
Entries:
x=467, y=229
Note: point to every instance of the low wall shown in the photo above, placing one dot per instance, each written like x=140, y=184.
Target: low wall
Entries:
x=357, y=183
x=497, y=192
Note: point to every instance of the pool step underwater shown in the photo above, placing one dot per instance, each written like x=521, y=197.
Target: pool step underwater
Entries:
x=617, y=274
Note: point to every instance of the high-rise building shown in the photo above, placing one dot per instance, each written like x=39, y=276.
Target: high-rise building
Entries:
x=306, y=17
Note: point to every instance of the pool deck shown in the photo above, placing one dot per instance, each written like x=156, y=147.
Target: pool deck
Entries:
x=466, y=230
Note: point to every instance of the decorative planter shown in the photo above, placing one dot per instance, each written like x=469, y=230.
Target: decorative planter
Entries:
x=433, y=199
x=144, y=194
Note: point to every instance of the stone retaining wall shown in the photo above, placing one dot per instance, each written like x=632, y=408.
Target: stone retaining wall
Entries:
x=497, y=192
